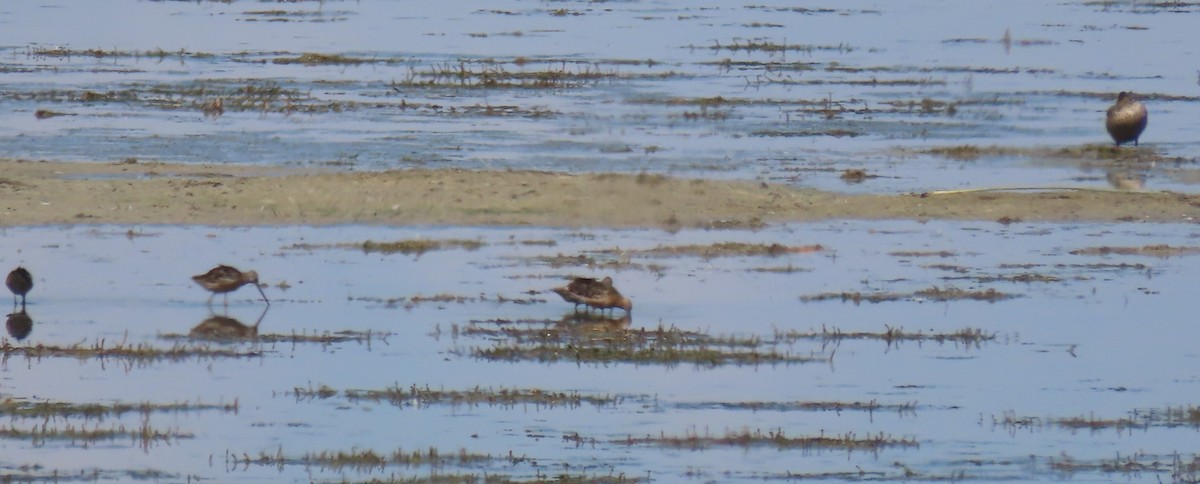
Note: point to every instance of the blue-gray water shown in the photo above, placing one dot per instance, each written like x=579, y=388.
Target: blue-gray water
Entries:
x=630, y=89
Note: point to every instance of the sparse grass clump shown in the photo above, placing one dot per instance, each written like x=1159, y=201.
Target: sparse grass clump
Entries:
x=368, y=460
x=421, y=397
x=1160, y=250
x=133, y=353
x=601, y=344
x=890, y=335
x=731, y=249
x=933, y=293
x=313, y=59
x=408, y=246
x=774, y=439
x=49, y=410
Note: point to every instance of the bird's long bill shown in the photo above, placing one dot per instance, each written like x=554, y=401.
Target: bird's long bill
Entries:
x=264, y=295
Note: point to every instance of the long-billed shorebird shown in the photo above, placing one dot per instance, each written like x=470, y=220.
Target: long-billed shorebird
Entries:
x=20, y=282
x=224, y=279
x=1126, y=119
x=594, y=294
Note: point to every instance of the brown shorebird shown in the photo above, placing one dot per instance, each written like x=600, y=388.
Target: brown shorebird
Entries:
x=594, y=294
x=1126, y=119
x=224, y=279
x=19, y=282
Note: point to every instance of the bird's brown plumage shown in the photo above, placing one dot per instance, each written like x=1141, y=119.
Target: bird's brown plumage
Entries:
x=226, y=279
x=20, y=282
x=599, y=294
x=1126, y=119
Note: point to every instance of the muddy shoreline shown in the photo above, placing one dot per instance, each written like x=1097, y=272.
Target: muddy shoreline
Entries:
x=131, y=192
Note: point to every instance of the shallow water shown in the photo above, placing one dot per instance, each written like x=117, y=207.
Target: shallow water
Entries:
x=626, y=87
x=804, y=93
x=1102, y=341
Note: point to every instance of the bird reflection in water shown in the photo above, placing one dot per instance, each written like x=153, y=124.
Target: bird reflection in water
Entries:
x=19, y=325
x=1125, y=180
x=225, y=328
x=594, y=322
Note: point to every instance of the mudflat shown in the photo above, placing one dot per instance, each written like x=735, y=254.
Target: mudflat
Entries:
x=132, y=192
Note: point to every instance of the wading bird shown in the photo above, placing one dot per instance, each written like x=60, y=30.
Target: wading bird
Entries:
x=1126, y=119
x=594, y=294
x=19, y=281
x=224, y=279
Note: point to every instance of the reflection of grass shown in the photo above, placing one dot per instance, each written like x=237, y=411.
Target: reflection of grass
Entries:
x=1169, y=417
x=139, y=353
x=324, y=338
x=46, y=409
x=933, y=293
x=774, y=439
x=769, y=46
x=410, y=302
x=869, y=407
x=971, y=336
x=143, y=435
